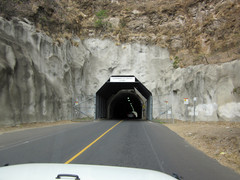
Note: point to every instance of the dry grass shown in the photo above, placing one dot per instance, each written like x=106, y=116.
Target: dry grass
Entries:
x=201, y=27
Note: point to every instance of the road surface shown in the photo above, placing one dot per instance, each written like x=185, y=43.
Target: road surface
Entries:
x=138, y=144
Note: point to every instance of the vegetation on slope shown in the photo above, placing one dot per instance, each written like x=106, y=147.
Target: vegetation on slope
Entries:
x=195, y=31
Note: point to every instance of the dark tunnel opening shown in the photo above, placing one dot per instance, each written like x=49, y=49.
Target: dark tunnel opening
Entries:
x=125, y=105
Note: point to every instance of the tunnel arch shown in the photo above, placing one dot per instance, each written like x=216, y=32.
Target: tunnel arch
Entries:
x=122, y=97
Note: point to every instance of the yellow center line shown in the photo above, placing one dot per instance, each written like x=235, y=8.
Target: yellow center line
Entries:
x=88, y=146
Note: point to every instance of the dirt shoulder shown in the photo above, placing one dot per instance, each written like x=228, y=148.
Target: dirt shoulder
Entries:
x=218, y=140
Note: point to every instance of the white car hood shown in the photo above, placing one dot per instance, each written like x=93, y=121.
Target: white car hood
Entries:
x=84, y=172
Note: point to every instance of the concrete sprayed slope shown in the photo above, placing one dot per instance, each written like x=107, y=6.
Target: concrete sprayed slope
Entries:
x=40, y=78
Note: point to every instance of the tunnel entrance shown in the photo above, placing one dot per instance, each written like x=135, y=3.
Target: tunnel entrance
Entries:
x=125, y=104
x=123, y=97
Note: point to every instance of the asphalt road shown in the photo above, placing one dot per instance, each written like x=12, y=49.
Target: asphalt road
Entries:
x=139, y=144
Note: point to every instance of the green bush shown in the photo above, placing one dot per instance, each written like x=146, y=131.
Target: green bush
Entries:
x=99, y=22
x=102, y=14
x=176, y=62
x=236, y=90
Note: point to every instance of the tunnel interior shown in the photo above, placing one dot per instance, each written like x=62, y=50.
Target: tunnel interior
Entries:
x=125, y=105
x=123, y=97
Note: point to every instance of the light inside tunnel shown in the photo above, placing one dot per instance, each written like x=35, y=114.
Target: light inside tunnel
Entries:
x=123, y=97
x=126, y=104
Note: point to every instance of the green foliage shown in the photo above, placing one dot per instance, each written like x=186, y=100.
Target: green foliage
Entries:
x=102, y=14
x=160, y=121
x=99, y=22
x=176, y=62
x=236, y=90
x=123, y=23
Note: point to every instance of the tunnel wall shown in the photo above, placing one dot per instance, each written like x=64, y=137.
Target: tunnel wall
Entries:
x=100, y=107
x=149, y=108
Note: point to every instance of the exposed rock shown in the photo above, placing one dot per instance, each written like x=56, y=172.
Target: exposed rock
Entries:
x=35, y=75
x=114, y=22
x=230, y=111
x=39, y=80
x=209, y=29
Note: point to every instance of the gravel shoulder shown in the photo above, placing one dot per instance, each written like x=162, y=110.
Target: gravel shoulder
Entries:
x=218, y=140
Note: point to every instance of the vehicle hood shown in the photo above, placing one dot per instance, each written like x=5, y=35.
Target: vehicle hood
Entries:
x=72, y=171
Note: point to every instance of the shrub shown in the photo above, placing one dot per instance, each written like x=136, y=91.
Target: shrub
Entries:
x=236, y=90
x=102, y=14
x=99, y=22
x=176, y=62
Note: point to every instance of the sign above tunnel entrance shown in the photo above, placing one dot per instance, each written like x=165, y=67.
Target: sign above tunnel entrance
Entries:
x=122, y=79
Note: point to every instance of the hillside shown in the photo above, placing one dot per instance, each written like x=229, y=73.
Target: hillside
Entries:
x=194, y=31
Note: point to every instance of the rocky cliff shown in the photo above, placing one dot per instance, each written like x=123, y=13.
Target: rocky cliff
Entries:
x=194, y=31
x=35, y=75
x=40, y=80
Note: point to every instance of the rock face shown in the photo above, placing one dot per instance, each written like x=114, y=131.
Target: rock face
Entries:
x=35, y=75
x=213, y=85
x=40, y=79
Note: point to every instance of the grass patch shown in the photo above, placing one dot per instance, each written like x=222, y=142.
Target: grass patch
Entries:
x=100, y=22
x=161, y=121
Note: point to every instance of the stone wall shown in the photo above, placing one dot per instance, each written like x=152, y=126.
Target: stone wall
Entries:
x=40, y=78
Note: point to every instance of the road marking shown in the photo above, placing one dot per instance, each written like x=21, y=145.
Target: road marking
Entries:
x=88, y=146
